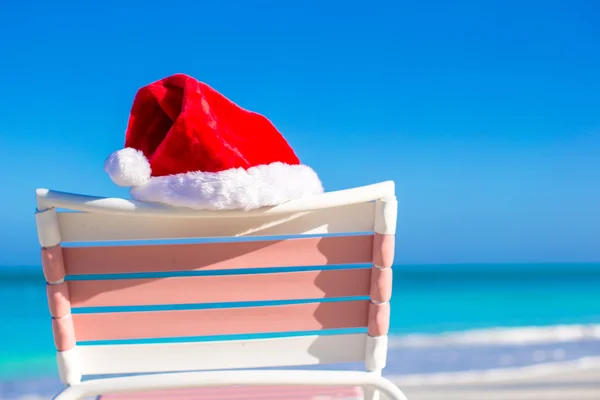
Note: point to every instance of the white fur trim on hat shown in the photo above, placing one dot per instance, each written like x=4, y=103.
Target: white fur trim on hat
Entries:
x=236, y=188
x=128, y=167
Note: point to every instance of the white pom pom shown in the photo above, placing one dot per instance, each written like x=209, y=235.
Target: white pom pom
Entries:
x=128, y=167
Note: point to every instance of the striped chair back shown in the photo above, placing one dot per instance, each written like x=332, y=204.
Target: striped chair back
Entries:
x=304, y=283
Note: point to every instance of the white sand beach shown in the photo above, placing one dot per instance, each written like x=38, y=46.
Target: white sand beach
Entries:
x=574, y=384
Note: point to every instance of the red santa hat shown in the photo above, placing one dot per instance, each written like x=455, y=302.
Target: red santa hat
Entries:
x=187, y=145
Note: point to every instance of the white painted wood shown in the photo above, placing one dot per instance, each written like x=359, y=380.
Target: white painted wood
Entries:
x=376, y=352
x=89, y=227
x=47, y=227
x=375, y=361
x=114, y=205
x=69, y=366
x=153, y=382
x=288, y=351
x=386, y=214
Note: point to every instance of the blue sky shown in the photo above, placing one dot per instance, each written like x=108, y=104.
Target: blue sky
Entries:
x=486, y=114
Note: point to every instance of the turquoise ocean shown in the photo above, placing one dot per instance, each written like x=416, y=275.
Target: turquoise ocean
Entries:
x=446, y=319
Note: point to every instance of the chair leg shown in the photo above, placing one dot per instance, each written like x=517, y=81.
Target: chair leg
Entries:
x=371, y=393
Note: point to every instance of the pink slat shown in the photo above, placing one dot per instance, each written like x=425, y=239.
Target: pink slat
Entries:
x=64, y=333
x=219, y=256
x=224, y=288
x=58, y=300
x=379, y=319
x=52, y=264
x=182, y=323
x=247, y=393
x=381, y=285
x=383, y=250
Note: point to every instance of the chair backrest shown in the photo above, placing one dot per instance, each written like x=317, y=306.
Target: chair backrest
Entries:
x=307, y=282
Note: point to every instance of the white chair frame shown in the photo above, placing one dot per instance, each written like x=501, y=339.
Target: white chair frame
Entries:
x=371, y=380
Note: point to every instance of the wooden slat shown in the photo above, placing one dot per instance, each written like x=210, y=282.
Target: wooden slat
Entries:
x=221, y=289
x=224, y=321
x=90, y=227
x=51, y=198
x=164, y=357
x=219, y=256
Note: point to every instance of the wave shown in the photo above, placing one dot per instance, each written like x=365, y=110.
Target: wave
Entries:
x=497, y=375
x=500, y=336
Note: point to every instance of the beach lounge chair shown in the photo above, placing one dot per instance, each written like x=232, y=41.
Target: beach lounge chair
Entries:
x=332, y=297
